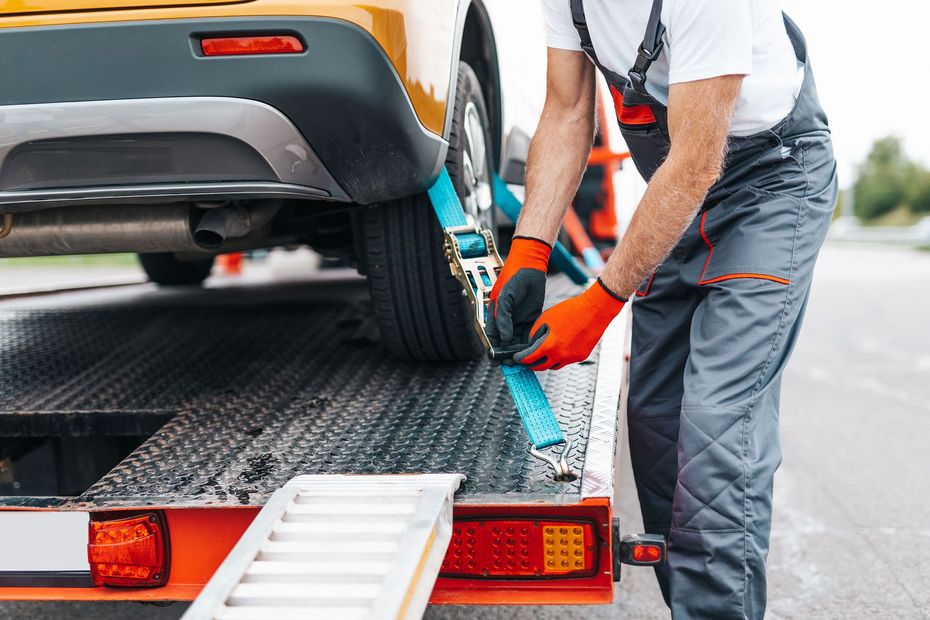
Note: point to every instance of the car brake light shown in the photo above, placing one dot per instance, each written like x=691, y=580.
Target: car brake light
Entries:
x=240, y=46
x=128, y=552
x=509, y=548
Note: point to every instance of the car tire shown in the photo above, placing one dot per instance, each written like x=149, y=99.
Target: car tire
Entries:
x=420, y=307
x=165, y=269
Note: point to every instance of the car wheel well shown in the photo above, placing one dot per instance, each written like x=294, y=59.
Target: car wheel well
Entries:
x=479, y=51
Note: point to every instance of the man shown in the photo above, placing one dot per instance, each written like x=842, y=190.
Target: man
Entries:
x=718, y=106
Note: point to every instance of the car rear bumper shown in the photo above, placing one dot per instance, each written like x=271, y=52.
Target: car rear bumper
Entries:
x=334, y=122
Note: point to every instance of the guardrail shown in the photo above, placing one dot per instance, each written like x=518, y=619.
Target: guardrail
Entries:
x=848, y=229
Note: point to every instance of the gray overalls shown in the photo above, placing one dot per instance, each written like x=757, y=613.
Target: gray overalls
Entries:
x=712, y=331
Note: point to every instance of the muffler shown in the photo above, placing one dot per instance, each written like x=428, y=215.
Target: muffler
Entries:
x=143, y=229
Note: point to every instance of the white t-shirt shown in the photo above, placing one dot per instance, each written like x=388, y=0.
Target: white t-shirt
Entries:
x=703, y=39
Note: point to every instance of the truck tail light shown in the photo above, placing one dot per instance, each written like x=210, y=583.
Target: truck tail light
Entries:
x=128, y=552
x=520, y=549
x=244, y=46
x=642, y=549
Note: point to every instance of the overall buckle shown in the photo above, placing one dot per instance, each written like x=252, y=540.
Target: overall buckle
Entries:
x=642, y=51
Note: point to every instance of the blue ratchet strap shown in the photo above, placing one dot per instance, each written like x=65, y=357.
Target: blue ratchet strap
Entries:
x=533, y=406
x=592, y=258
x=561, y=257
x=528, y=396
x=450, y=214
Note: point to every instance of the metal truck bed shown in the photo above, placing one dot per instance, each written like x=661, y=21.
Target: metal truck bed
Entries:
x=241, y=388
x=194, y=406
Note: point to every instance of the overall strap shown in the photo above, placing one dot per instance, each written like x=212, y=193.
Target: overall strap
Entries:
x=796, y=38
x=581, y=25
x=650, y=48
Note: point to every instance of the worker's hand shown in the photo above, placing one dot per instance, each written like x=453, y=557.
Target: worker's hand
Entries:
x=567, y=332
x=516, y=300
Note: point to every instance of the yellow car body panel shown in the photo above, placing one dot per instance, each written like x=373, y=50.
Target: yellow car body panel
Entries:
x=418, y=36
x=53, y=6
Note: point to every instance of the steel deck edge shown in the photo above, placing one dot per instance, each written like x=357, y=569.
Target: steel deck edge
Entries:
x=597, y=476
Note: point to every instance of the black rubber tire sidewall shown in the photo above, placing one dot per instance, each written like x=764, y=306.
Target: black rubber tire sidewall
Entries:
x=165, y=269
x=419, y=305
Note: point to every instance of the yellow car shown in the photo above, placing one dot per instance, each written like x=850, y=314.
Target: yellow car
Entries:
x=183, y=129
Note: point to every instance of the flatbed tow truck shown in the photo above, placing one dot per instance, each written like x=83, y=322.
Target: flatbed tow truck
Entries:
x=144, y=431
x=220, y=396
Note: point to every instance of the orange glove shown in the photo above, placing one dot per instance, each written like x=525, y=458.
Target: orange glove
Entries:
x=567, y=332
x=516, y=300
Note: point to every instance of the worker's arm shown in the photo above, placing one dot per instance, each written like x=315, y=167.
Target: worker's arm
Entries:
x=699, y=117
x=557, y=159
x=560, y=148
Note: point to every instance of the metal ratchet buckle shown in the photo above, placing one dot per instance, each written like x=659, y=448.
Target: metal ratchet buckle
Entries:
x=562, y=472
x=477, y=275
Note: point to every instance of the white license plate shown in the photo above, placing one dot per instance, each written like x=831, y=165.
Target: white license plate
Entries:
x=41, y=548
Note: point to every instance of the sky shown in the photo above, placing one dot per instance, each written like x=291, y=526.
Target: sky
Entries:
x=872, y=65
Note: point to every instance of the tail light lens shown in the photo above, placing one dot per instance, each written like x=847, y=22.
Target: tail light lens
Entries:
x=642, y=549
x=128, y=552
x=244, y=46
x=646, y=554
x=505, y=549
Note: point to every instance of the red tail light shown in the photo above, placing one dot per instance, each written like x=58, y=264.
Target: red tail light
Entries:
x=128, y=552
x=647, y=554
x=505, y=549
x=243, y=46
x=642, y=549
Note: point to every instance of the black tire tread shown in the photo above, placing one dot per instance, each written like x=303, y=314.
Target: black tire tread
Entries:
x=418, y=304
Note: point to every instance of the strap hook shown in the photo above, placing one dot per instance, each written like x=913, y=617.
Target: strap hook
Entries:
x=562, y=471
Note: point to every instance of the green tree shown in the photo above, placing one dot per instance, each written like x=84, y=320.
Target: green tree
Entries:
x=884, y=179
x=918, y=197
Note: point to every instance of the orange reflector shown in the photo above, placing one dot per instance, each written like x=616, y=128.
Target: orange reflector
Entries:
x=500, y=549
x=128, y=552
x=647, y=554
x=242, y=46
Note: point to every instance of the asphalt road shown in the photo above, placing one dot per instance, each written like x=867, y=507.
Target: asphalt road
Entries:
x=851, y=537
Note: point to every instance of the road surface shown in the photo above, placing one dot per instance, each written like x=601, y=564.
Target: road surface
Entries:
x=851, y=537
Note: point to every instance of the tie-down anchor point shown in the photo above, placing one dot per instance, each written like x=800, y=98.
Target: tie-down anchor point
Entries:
x=562, y=473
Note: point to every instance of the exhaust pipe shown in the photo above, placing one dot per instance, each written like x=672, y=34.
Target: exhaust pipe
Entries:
x=218, y=225
x=232, y=222
x=143, y=229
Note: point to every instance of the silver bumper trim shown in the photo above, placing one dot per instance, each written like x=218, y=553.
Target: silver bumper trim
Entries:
x=258, y=125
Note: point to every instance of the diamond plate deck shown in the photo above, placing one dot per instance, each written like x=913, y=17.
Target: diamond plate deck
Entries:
x=254, y=386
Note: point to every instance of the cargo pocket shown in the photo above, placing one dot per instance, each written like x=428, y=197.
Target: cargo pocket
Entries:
x=750, y=236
